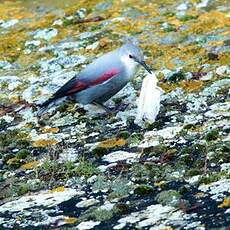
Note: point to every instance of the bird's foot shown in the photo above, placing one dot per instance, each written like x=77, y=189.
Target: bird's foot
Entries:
x=114, y=110
x=107, y=109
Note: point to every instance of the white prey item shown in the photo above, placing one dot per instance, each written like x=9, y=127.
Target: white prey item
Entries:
x=149, y=100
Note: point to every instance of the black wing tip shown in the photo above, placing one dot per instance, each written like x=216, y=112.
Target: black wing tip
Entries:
x=44, y=106
x=47, y=102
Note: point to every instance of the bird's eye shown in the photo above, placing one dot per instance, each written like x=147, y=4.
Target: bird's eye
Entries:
x=130, y=56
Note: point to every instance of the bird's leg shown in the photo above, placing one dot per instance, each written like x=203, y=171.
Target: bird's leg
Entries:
x=107, y=109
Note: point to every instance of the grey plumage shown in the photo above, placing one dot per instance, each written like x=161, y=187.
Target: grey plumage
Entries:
x=104, y=77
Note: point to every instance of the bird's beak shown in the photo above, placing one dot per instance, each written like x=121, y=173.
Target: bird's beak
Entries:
x=144, y=65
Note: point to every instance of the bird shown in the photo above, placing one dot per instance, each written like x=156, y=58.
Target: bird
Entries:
x=103, y=78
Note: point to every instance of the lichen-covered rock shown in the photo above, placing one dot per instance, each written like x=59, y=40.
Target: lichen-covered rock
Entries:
x=78, y=167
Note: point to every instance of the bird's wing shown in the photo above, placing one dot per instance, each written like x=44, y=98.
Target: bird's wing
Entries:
x=76, y=84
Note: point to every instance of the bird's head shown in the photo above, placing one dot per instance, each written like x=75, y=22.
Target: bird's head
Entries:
x=133, y=54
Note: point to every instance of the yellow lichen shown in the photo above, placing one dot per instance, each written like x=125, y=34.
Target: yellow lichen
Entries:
x=50, y=130
x=30, y=165
x=12, y=160
x=70, y=220
x=11, y=46
x=14, y=98
x=111, y=143
x=199, y=195
x=159, y=183
x=191, y=85
x=58, y=189
x=14, y=9
x=18, y=218
x=225, y=203
x=167, y=87
x=44, y=143
x=209, y=21
x=168, y=228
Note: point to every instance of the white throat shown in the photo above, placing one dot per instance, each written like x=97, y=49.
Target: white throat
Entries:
x=130, y=65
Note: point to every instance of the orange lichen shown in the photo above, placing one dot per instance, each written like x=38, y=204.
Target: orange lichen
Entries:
x=111, y=143
x=191, y=85
x=44, y=143
x=225, y=203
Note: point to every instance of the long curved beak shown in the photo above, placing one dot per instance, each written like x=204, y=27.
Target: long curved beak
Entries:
x=144, y=65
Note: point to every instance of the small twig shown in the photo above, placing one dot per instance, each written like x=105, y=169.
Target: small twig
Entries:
x=13, y=107
x=86, y=20
x=198, y=74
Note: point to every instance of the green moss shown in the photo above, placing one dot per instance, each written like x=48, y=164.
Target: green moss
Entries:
x=14, y=163
x=67, y=22
x=143, y=190
x=98, y=214
x=196, y=149
x=7, y=156
x=225, y=148
x=213, y=177
x=158, y=124
x=99, y=151
x=102, y=214
x=3, y=124
x=50, y=170
x=63, y=107
x=122, y=208
x=170, y=28
x=117, y=100
x=101, y=183
x=185, y=18
x=23, y=188
x=193, y=172
x=184, y=189
x=169, y=14
x=123, y=134
x=18, y=189
x=169, y=197
x=130, y=121
x=189, y=126
x=139, y=172
x=85, y=168
x=22, y=154
x=134, y=139
x=69, y=169
x=120, y=187
x=177, y=77
x=212, y=135
x=14, y=138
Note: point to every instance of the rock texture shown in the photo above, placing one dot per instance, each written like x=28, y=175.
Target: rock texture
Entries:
x=76, y=167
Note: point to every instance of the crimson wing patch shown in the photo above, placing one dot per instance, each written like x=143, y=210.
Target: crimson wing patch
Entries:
x=75, y=85
x=78, y=85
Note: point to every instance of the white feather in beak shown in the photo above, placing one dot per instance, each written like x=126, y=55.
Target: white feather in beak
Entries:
x=149, y=100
